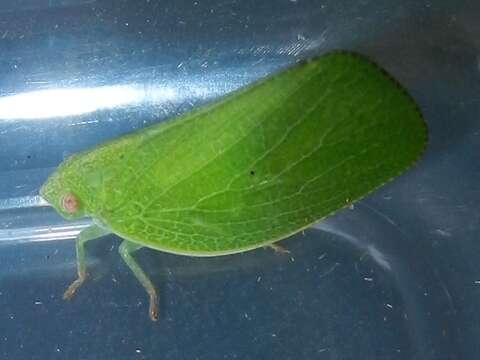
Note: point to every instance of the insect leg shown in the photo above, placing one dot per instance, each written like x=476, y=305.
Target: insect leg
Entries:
x=88, y=234
x=279, y=249
x=126, y=249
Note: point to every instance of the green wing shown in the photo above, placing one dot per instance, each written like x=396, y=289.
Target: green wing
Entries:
x=261, y=164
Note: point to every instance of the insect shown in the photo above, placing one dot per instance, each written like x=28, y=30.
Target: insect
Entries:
x=255, y=167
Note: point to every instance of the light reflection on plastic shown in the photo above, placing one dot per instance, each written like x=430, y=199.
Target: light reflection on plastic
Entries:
x=50, y=103
x=379, y=257
x=22, y=202
x=42, y=233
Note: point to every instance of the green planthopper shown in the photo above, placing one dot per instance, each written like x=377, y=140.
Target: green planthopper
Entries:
x=244, y=172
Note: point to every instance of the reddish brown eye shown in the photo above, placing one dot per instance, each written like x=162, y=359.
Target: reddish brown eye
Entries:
x=70, y=203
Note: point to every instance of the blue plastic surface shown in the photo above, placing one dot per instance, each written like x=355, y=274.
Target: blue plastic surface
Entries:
x=395, y=277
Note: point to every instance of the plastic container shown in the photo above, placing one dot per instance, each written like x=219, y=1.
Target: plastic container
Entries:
x=396, y=277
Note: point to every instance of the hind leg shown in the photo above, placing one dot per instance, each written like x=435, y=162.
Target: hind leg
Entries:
x=126, y=250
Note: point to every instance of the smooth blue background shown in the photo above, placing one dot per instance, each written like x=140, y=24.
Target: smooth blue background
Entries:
x=396, y=277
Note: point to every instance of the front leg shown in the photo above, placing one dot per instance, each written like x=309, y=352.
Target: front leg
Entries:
x=90, y=233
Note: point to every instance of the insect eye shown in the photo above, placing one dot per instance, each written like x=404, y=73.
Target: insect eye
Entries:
x=70, y=203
